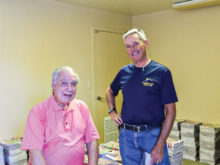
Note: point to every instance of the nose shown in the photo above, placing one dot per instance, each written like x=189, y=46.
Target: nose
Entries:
x=69, y=86
x=133, y=47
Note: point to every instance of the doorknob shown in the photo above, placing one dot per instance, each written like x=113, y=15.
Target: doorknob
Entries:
x=100, y=98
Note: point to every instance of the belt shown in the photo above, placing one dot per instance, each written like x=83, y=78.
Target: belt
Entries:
x=137, y=128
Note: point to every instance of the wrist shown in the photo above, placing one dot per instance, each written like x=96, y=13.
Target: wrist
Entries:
x=161, y=141
x=111, y=110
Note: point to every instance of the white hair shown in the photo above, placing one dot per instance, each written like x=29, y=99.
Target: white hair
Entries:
x=136, y=31
x=58, y=70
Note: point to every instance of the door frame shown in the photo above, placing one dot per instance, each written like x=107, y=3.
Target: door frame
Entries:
x=95, y=29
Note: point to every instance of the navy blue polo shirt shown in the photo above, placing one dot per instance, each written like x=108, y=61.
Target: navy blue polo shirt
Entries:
x=145, y=92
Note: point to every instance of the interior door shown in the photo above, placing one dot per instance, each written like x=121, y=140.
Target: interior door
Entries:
x=109, y=56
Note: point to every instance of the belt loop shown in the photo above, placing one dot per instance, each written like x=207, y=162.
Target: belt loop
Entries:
x=121, y=126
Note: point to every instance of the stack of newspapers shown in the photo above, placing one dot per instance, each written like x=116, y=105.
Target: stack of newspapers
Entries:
x=190, y=136
x=210, y=144
x=2, y=161
x=175, y=151
x=110, y=130
x=176, y=129
x=109, y=152
x=12, y=153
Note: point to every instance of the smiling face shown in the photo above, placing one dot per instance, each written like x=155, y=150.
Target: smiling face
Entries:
x=64, y=89
x=136, y=48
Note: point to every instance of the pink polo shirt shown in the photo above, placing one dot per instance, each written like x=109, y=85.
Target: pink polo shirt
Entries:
x=60, y=134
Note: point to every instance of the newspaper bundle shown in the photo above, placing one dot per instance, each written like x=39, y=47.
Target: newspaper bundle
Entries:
x=13, y=155
x=210, y=144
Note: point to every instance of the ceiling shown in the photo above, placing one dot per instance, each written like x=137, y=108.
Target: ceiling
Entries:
x=129, y=7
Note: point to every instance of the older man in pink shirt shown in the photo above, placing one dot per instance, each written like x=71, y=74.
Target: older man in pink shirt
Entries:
x=58, y=128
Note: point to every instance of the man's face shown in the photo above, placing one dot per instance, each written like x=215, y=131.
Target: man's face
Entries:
x=65, y=88
x=135, y=47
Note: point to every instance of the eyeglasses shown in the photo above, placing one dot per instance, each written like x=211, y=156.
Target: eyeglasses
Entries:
x=65, y=83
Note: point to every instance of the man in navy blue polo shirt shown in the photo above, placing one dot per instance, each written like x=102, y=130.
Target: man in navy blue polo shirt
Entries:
x=148, y=109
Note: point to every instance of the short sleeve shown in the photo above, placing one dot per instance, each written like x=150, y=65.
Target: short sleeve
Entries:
x=91, y=132
x=115, y=85
x=33, y=137
x=168, y=92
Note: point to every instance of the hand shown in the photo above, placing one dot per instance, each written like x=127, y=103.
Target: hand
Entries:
x=157, y=154
x=116, y=118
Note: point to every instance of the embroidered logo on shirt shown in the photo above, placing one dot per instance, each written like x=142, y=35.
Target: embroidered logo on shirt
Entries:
x=148, y=82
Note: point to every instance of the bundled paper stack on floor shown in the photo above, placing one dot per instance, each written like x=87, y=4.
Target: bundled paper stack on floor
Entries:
x=110, y=130
x=2, y=162
x=176, y=130
x=210, y=144
x=175, y=151
x=108, y=154
x=110, y=145
x=12, y=153
x=109, y=148
x=190, y=136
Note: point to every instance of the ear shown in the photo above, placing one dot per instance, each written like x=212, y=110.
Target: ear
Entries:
x=147, y=43
x=53, y=85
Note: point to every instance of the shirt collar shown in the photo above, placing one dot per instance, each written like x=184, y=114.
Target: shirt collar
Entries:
x=56, y=107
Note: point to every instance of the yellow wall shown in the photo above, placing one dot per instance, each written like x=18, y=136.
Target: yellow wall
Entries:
x=188, y=42
x=37, y=36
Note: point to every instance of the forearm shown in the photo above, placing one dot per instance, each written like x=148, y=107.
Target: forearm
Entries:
x=168, y=123
x=93, y=152
x=110, y=98
x=37, y=157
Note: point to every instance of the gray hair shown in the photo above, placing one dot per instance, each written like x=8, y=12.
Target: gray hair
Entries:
x=58, y=70
x=136, y=31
